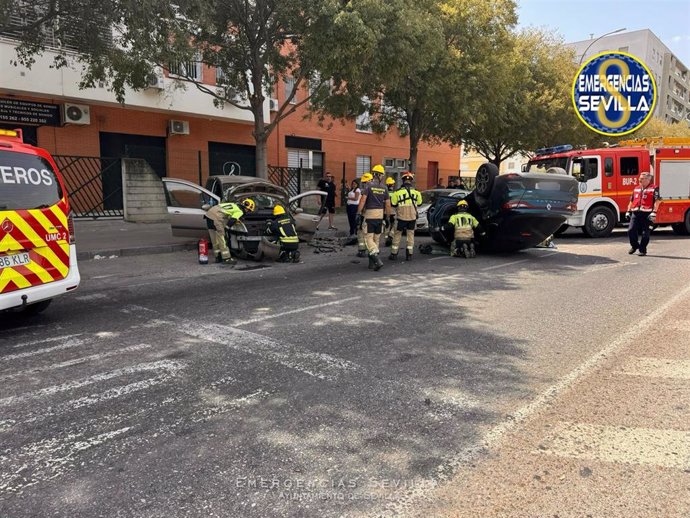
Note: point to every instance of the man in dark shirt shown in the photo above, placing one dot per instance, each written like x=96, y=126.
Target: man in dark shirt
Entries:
x=374, y=212
x=328, y=203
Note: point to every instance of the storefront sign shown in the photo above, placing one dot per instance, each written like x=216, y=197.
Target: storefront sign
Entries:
x=16, y=111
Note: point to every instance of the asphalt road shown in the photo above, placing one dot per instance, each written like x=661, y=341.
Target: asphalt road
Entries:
x=165, y=388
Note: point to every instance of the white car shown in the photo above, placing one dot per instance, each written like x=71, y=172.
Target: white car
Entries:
x=428, y=199
x=188, y=202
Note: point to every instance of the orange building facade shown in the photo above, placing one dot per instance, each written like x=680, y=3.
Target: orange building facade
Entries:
x=211, y=141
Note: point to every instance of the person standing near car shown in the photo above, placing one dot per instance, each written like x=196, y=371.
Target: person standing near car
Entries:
x=405, y=202
x=283, y=229
x=353, y=196
x=327, y=185
x=642, y=211
x=359, y=223
x=390, y=185
x=218, y=218
x=372, y=213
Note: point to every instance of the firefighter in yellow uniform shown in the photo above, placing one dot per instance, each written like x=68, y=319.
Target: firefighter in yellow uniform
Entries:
x=373, y=213
x=282, y=227
x=361, y=243
x=390, y=185
x=405, y=202
x=464, y=225
x=219, y=217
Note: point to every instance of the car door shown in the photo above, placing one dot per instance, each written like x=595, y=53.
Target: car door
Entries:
x=305, y=208
x=185, y=201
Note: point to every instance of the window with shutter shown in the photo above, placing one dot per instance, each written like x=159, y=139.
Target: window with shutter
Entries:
x=363, y=165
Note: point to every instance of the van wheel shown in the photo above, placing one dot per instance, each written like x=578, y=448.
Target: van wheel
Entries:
x=600, y=222
x=484, y=183
x=34, y=309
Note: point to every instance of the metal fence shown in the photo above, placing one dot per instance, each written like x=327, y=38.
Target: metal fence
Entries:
x=94, y=185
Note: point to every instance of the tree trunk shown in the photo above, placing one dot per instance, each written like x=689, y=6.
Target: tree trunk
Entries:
x=261, y=139
x=413, y=125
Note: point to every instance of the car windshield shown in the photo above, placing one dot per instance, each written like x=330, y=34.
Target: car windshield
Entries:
x=27, y=182
x=262, y=201
x=542, y=165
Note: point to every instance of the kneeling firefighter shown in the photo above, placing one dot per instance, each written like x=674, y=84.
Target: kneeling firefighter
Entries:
x=283, y=229
x=218, y=218
x=373, y=213
x=361, y=242
x=464, y=225
x=405, y=202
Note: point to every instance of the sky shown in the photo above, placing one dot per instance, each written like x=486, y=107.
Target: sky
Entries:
x=575, y=20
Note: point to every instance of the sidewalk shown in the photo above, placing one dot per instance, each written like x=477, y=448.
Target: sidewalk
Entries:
x=106, y=238
x=118, y=237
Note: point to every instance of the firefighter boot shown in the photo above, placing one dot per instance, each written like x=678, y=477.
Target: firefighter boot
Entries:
x=393, y=256
x=219, y=258
x=362, y=253
x=465, y=250
x=295, y=256
x=473, y=252
x=372, y=262
x=378, y=264
x=408, y=254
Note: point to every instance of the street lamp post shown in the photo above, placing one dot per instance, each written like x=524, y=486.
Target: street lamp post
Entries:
x=602, y=36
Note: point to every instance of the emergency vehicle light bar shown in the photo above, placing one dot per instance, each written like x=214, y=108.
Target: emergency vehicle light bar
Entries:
x=555, y=149
x=11, y=133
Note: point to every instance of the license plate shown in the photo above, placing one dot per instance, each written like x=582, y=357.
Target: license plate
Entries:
x=10, y=261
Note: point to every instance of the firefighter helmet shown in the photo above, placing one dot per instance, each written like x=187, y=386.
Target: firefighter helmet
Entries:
x=278, y=210
x=378, y=169
x=463, y=205
x=390, y=181
x=248, y=205
x=367, y=177
x=407, y=176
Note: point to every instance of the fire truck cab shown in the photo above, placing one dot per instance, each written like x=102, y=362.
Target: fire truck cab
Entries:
x=607, y=177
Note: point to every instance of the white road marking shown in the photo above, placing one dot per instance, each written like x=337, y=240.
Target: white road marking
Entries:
x=665, y=448
x=70, y=343
x=502, y=265
x=45, y=340
x=47, y=459
x=75, y=361
x=168, y=365
x=492, y=438
x=319, y=365
x=656, y=368
x=93, y=296
x=262, y=318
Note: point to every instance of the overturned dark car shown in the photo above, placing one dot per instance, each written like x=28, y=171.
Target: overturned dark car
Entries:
x=517, y=211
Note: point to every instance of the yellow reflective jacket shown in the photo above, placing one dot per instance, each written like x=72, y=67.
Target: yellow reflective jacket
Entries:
x=463, y=220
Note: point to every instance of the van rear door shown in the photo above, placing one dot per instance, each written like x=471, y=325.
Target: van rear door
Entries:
x=34, y=233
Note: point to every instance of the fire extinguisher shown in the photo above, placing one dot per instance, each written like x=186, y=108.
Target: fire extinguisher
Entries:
x=203, y=251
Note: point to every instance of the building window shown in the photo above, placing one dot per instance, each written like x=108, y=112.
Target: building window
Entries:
x=289, y=86
x=400, y=163
x=363, y=165
x=389, y=162
x=187, y=69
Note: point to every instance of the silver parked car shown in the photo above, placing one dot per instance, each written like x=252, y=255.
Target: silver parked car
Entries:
x=428, y=199
x=188, y=202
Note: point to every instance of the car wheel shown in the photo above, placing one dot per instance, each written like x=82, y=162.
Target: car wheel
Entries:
x=686, y=223
x=600, y=222
x=34, y=309
x=486, y=174
x=561, y=230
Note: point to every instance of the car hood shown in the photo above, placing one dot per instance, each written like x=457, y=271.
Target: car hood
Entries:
x=247, y=189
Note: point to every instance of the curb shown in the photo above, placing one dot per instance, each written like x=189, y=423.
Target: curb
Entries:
x=141, y=250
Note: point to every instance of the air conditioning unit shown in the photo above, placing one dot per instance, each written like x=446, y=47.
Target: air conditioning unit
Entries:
x=155, y=80
x=178, y=127
x=78, y=114
x=273, y=105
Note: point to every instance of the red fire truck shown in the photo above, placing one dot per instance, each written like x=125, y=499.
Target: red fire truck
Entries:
x=607, y=177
